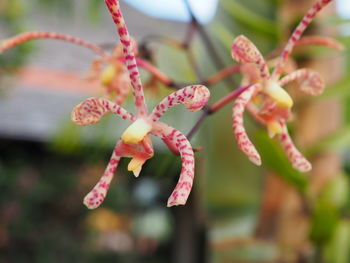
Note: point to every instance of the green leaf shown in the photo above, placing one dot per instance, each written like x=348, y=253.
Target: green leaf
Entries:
x=250, y=19
x=337, y=191
x=275, y=159
x=68, y=138
x=339, y=140
x=94, y=8
x=337, y=251
x=323, y=222
x=223, y=34
x=340, y=89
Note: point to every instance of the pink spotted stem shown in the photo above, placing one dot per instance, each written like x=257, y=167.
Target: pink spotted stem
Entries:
x=28, y=36
x=222, y=74
x=160, y=76
x=140, y=103
x=228, y=98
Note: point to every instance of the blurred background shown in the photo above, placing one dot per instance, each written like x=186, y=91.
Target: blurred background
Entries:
x=237, y=212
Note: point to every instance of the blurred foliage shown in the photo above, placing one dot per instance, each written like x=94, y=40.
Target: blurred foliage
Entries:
x=324, y=214
x=252, y=21
x=11, y=16
x=42, y=215
x=337, y=250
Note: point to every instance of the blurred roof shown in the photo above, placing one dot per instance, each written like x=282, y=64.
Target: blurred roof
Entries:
x=51, y=84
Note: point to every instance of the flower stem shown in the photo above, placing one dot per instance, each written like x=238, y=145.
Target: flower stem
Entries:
x=222, y=74
x=228, y=98
x=160, y=76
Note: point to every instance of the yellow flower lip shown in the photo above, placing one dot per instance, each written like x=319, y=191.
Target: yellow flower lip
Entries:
x=108, y=75
x=136, y=132
x=273, y=128
x=276, y=92
x=135, y=165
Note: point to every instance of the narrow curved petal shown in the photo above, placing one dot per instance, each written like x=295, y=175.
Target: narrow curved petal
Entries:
x=129, y=56
x=239, y=131
x=297, y=160
x=91, y=110
x=244, y=51
x=193, y=97
x=297, y=33
x=96, y=196
x=172, y=147
x=311, y=82
x=28, y=36
x=183, y=188
x=320, y=41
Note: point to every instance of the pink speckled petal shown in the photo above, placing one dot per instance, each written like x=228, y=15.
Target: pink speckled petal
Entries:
x=297, y=160
x=244, y=51
x=91, y=110
x=193, y=97
x=311, y=82
x=183, y=188
x=297, y=33
x=28, y=36
x=320, y=41
x=240, y=134
x=96, y=196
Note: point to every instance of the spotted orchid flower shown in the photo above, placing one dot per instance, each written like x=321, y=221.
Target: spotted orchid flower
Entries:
x=107, y=69
x=111, y=72
x=136, y=142
x=265, y=98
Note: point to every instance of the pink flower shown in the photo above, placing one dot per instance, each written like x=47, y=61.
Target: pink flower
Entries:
x=108, y=69
x=111, y=72
x=266, y=100
x=136, y=141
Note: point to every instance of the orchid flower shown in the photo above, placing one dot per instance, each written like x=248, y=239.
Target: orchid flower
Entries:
x=136, y=142
x=111, y=72
x=114, y=76
x=266, y=100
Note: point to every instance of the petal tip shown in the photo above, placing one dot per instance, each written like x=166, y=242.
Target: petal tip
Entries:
x=178, y=197
x=256, y=160
x=91, y=203
x=87, y=112
x=304, y=167
x=175, y=202
x=244, y=51
x=200, y=98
